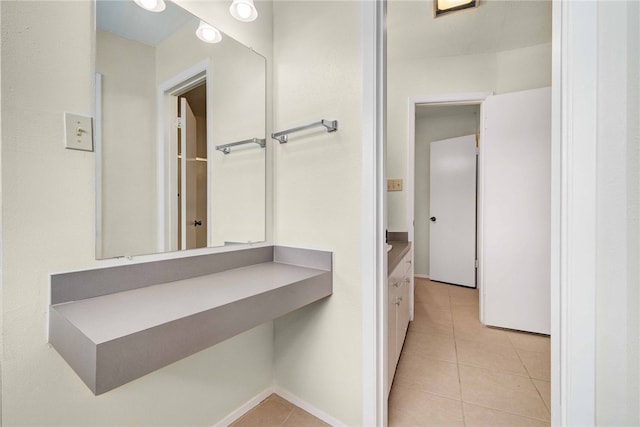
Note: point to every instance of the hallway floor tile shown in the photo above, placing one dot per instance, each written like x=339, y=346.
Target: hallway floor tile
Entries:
x=455, y=371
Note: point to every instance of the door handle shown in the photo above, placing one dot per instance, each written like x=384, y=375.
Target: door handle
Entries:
x=197, y=223
x=433, y=219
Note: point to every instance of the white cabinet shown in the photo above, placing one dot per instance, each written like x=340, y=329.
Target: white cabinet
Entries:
x=398, y=312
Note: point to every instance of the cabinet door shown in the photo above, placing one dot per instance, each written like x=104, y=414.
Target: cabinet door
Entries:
x=402, y=314
x=410, y=287
x=392, y=353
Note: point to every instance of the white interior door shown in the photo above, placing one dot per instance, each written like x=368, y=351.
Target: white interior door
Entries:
x=189, y=175
x=452, y=211
x=515, y=210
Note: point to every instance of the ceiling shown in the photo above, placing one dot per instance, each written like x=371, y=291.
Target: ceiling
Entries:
x=494, y=26
x=128, y=20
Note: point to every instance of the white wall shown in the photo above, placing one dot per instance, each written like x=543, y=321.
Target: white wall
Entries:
x=1, y=233
x=506, y=71
x=48, y=226
x=618, y=210
x=522, y=69
x=129, y=145
x=318, y=75
x=633, y=197
x=434, y=124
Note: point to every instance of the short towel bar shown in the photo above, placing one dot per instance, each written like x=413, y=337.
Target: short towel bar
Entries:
x=283, y=136
x=226, y=148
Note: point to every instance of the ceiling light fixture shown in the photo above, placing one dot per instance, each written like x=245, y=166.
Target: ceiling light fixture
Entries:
x=151, y=5
x=243, y=10
x=442, y=7
x=208, y=34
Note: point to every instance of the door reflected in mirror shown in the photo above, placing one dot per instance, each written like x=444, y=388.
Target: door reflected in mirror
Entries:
x=180, y=134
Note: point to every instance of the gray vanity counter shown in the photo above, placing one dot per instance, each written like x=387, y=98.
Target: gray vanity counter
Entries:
x=110, y=339
x=400, y=248
x=112, y=316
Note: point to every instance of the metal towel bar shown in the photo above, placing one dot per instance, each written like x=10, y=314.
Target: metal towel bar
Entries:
x=282, y=136
x=226, y=148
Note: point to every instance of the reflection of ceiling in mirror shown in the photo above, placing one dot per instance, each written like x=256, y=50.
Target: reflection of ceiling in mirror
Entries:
x=128, y=20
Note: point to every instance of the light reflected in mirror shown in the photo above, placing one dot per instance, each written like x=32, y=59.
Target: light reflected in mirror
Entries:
x=180, y=134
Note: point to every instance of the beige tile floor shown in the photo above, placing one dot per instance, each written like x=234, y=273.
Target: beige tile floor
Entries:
x=455, y=371
x=276, y=411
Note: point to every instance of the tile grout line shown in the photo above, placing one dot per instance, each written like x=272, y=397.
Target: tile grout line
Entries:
x=529, y=374
x=507, y=412
x=288, y=416
x=433, y=393
x=493, y=371
x=497, y=370
x=455, y=346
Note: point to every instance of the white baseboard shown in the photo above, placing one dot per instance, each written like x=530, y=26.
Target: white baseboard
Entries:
x=246, y=407
x=421, y=276
x=255, y=401
x=308, y=407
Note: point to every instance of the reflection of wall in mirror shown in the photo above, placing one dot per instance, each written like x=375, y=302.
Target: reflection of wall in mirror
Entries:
x=132, y=71
x=237, y=100
x=129, y=145
x=238, y=181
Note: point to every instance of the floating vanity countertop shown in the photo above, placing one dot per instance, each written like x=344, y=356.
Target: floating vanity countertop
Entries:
x=114, y=338
x=151, y=306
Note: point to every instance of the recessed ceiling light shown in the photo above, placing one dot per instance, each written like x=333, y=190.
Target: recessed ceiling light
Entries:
x=208, y=34
x=243, y=10
x=151, y=5
x=442, y=7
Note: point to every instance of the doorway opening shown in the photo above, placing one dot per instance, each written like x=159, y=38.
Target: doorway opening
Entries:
x=513, y=200
x=192, y=168
x=184, y=172
x=432, y=118
x=445, y=237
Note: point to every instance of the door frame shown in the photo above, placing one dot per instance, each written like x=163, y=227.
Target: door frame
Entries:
x=97, y=148
x=573, y=216
x=443, y=100
x=166, y=145
x=373, y=251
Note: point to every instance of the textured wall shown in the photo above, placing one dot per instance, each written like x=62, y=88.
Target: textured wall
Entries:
x=48, y=226
x=501, y=72
x=318, y=349
x=128, y=145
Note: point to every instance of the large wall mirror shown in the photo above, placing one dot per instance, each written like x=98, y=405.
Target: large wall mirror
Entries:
x=180, y=133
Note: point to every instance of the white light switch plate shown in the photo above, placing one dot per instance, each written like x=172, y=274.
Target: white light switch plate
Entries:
x=78, y=131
